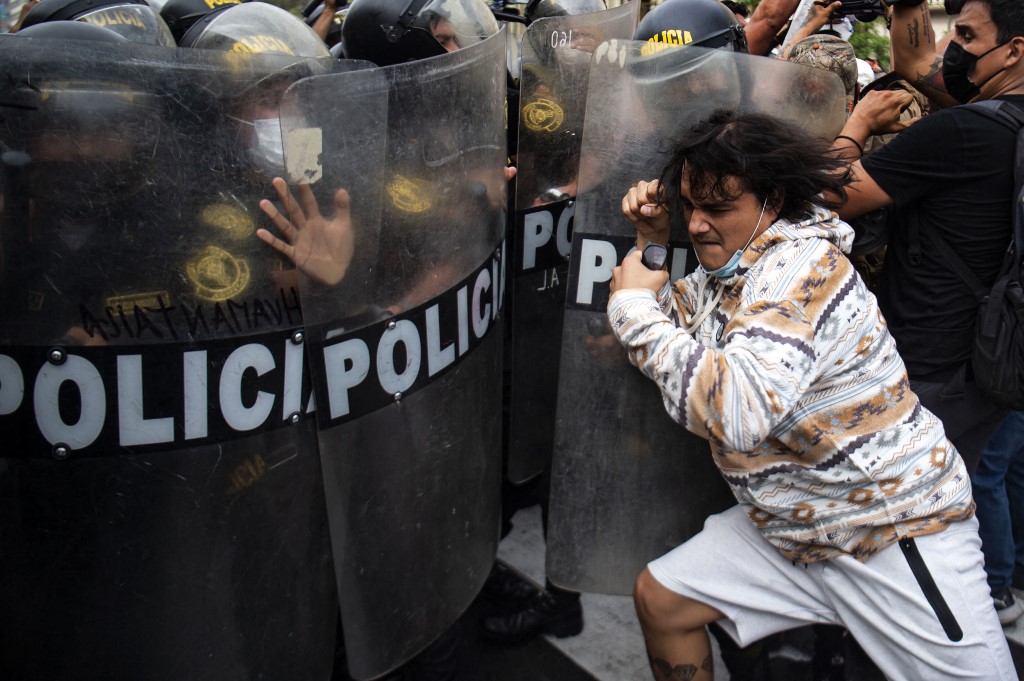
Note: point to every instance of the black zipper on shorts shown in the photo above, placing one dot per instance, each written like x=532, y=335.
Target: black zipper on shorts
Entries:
x=930, y=589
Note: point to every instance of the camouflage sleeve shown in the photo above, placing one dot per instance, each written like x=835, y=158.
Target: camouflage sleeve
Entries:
x=733, y=396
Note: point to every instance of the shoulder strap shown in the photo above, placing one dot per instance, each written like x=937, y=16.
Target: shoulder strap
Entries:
x=958, y=265
x=1011, y=116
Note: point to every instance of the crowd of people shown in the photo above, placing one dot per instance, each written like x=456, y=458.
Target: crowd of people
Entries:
x=822, y=347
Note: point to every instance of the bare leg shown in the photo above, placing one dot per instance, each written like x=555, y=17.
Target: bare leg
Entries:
x=673, y=627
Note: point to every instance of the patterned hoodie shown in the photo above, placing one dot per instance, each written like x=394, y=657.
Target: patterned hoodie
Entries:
x=796, y=383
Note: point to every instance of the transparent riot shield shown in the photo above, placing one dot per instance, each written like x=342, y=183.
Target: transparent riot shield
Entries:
x=161, y=498
x=408, y=372
x=628, y=483
x=556, y=67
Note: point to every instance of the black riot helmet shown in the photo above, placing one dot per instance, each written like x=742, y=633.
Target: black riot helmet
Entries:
x=707, y=23
x=389, y=32
x=539, y=9
x=71, y=30
x=134, y=19
x=181, y=14
x=255, y=28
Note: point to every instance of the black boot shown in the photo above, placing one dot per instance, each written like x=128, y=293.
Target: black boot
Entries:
x=506, y=589
x=552, y=611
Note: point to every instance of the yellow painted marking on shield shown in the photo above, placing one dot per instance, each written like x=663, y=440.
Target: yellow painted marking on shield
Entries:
x=409, y=195
x=217, y=275
x=236, y=222
x=150, y=299
x=543, y=114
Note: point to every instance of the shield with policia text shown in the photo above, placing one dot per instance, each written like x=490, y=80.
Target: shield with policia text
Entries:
x=553, y=90
x=161, y=500
x=408, y=381
x=628, y=483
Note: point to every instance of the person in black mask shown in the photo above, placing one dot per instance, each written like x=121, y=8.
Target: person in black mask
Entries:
x=948, y=177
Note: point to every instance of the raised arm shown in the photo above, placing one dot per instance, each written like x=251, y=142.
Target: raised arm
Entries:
x=766, y=22
x=914, y=53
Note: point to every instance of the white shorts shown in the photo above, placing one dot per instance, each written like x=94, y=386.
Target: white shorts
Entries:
x=735, y=570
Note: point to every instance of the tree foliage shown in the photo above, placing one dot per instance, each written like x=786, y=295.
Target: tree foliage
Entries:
x=870, y=40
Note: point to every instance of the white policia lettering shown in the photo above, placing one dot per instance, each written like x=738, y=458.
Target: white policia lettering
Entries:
x=348, y=363
x=598, y=258
x=135, y=429
x=539, y=227
x=226, y=390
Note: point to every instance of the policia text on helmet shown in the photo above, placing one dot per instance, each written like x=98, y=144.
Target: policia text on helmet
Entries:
x=706, y=23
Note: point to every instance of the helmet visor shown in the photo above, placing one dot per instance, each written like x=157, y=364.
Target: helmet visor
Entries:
x=457, y=24
x=137, y=23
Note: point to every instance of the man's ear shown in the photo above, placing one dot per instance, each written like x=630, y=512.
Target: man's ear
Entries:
x=1016, y=46
x=776, y=201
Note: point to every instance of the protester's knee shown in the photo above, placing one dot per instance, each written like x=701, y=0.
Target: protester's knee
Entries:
x=661, y=609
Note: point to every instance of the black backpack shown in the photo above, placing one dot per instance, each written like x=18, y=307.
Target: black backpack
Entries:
x=997, y=358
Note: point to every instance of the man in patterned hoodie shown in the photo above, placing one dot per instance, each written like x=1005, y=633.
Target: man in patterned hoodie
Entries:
x=854, y=509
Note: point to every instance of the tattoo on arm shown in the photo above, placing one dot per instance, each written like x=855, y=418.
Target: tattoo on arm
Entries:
x=926, y=23
x=914, y=33
x=708, y=664
x=932, y=78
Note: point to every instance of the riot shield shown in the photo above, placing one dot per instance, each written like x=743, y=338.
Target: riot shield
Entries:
x=408, y=372
x=556, y=66
x=161, y=499
x=628, y=483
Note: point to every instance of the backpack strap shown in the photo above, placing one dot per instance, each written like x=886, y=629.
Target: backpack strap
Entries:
x=959, y=266
x=1012, y=117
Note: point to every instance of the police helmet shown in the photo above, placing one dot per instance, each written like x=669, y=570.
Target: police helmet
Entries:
x=255, y=28
x=181, y=14
x=707, y=23
x=134, y=19
x=539, y=9
x=389, y=32
x=71, y=30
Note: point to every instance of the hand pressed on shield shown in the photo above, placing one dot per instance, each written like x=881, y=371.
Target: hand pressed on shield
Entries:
x=632, y=273
x=640, y=205
x=320, y=247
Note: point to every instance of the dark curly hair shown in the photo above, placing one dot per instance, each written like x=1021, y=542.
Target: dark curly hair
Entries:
x=770, y=157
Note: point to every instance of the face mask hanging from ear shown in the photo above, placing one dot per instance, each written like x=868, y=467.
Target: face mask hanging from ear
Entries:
x=729, y=269
x=957, y=67
x=705, y=307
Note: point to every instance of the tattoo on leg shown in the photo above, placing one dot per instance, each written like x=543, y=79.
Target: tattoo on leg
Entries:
x=682, y=672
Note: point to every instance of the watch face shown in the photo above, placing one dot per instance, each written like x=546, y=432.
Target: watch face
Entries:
x=655, y=256
x=554, y=194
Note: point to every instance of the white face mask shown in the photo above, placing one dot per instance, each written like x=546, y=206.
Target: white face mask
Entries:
x=268, y=154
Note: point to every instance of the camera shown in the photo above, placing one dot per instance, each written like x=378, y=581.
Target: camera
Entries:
x=861, y=10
